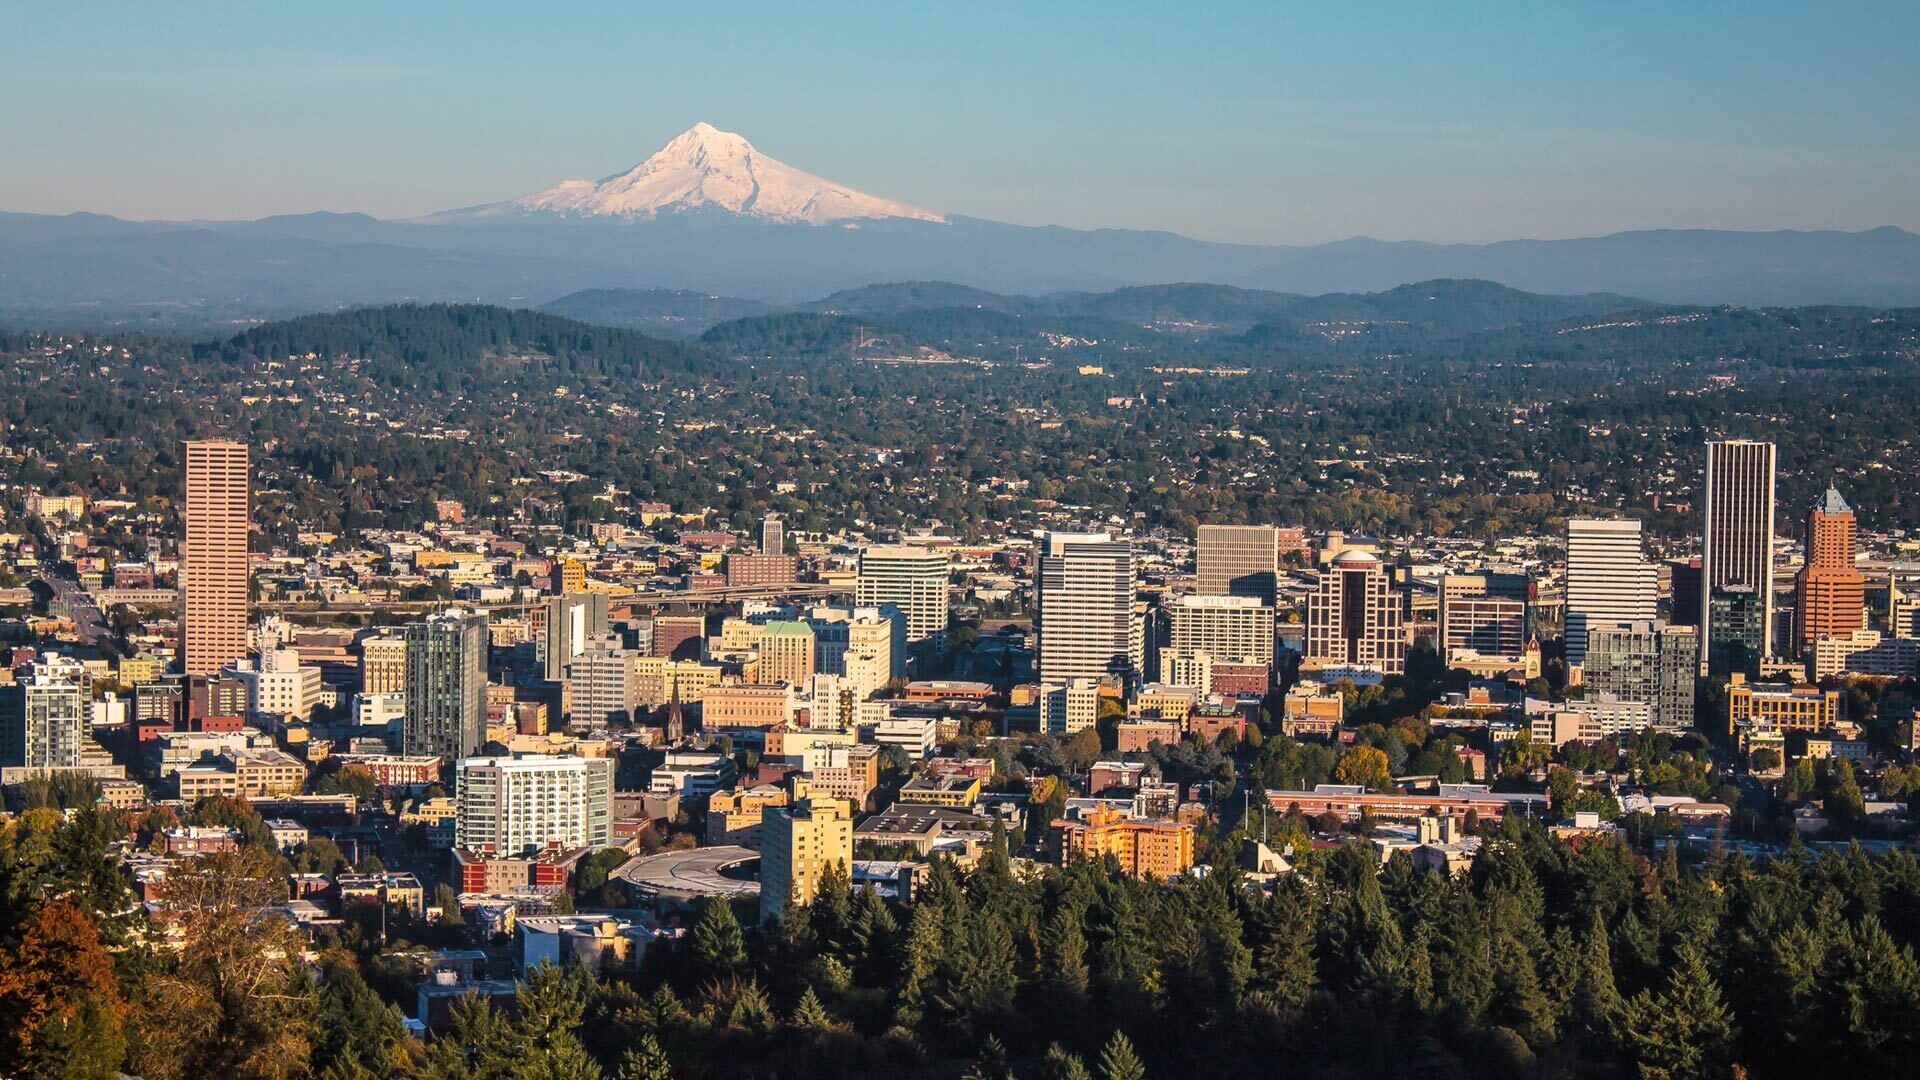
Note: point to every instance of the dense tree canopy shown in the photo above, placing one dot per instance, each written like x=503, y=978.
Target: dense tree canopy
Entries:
x=1549, y=958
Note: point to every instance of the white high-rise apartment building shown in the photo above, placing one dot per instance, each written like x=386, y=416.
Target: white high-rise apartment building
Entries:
x=1233, y=629
x=855, y=644
x=1737, y=552
x=913, y=579
x=1609, y=579
x=278, y=685
x=48, y=725
x=509, y=806
x=773, y=535
x=605, y=681
x=1084, y=616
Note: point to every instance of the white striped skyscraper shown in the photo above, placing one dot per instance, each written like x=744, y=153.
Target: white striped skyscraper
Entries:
x=1085, y=612
x=1609, y=579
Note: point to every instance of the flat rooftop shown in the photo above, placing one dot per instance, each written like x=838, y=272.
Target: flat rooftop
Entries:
x=695, y=874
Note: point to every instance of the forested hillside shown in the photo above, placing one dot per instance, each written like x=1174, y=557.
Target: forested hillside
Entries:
x=1548, y=959
x=1385, y=427
x=440, y=345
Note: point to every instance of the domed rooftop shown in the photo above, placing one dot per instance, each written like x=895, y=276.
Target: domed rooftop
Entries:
x=1356, y=557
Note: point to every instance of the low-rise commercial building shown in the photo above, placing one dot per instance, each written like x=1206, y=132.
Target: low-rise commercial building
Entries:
x=1146, y=848
x=1310, y=709
x=954, y=792
x=1349, y=802
x=1787, y=708
x=733, y=815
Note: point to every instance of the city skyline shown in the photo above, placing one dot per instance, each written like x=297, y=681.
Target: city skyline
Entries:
x=863, y=541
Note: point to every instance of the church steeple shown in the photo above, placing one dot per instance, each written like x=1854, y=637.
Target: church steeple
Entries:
x=676, y=726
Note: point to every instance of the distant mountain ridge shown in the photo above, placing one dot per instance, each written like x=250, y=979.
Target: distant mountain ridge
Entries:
x=1167, y=322
x=709, y=213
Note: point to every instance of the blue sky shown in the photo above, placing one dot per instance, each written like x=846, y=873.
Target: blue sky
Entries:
x=1262, y=122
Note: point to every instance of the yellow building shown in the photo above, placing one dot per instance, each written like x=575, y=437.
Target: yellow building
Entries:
x=798, y=844
x=135, y=670
x=1159, y=702
x=267, y=773
x=747, y=706
x=733, y=816
x=737, y=635
x=1312, y=710
x=786, y=652
x=1787, y=708
x=957, y=792
x=383, y=663
x=1145, y=848
x=661, y=679
x=572, y=576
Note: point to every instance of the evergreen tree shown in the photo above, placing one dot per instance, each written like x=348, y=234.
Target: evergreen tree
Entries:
x=982, y=983
x=990, y=1063
x=1060, y=1065
x=1592, y=999
x=478, y=1042
x=355, y=1026
x=1228, y=958
x=1682, y=1032
x=448, y=902
x=662, y=1011
x=1119, y=1062
x=809, y=1014
x=1518, y=1000
x=645, y=1060
x=1283, y=961
x=549, y=1009
x=924, y=954
x=831, y=914
x=1064, y=955
x=719, y=946
x=1868, y=998
x=873, y=938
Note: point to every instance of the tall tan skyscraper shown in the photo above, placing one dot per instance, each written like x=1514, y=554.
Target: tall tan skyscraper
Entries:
x=1237, y=560
x=1830, y=593
x=213, y=557
x=1737, y=554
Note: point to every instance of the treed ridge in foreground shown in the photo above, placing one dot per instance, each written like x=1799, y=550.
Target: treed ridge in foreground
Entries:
x=1547, y=959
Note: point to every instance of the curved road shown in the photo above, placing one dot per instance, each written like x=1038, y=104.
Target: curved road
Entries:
x=690, y=874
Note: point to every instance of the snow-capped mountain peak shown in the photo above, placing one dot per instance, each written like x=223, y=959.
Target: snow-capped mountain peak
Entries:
x=706, y=168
